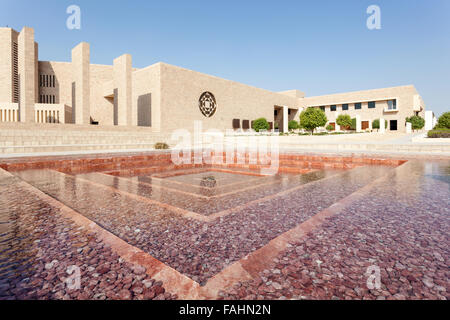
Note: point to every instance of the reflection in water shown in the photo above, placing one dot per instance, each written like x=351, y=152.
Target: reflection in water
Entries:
x=16, y=244
x=166, y=236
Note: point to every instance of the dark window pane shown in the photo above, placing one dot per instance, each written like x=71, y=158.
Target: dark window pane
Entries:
x=333, y=108
x=358, y=106
x=371, y=104
x=345, y=107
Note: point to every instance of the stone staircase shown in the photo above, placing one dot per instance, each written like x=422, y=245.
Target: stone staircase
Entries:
x=51, y=138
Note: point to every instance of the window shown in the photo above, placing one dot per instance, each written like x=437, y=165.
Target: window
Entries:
x=393, y=125
x=275, y=113
x=371, y=104
x=358, y=106
x=322, y=108
x=392, y=104
x=345, y=107
x=333, y=108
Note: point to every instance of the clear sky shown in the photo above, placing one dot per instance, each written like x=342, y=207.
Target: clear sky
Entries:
x=318, y=47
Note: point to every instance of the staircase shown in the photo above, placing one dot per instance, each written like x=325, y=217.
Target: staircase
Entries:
x=35, y=138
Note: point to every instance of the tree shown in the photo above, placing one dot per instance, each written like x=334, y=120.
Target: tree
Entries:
x=417, y=122
x=344, y=121
x=444, y=121
x=312, y=118
x=293, y=125
x=376, y=124
x=260, y=125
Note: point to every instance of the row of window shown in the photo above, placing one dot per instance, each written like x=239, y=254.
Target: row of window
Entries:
x=48, y=81
x=392, y=105
x=15, y=73
x=47, y=98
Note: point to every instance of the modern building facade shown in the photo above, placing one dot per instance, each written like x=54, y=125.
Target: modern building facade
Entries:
x=163, y=97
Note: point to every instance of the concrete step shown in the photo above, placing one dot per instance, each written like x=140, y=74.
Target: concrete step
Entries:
x=74, y=147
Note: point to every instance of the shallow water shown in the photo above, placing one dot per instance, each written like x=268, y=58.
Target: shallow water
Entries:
x=142, y=210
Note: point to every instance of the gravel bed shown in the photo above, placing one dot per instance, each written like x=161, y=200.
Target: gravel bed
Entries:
x=198, y=249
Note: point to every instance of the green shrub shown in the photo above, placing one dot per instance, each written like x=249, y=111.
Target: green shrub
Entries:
x=353, y=126
x=344, y=121
x=329, y=127
x=260, y=124
x=444, y=121
x=293, y=125
x=312, y=118
x=439, y=133
x=376, y=124
x=417, y=122
x=161, y=145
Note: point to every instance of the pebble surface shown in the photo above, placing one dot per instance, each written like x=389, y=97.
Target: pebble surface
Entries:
x=402, y=228
x=197, y=249
x=39, y=249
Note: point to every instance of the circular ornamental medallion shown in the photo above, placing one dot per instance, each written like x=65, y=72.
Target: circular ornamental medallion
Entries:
x=207, y=104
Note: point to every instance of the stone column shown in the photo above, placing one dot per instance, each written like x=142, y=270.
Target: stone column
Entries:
x=382, y=126
x=408, y=127
x=81, y=112
x=285, y=119
x=429, y=120
x=358, y=123
x=26, y=64
x=122, y=70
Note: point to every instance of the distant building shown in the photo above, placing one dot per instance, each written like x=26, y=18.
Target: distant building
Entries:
x=165, y=97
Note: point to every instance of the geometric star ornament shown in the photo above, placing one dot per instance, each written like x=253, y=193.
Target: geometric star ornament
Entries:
x=207, y=104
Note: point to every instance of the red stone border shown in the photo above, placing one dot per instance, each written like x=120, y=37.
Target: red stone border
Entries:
x=159, y=161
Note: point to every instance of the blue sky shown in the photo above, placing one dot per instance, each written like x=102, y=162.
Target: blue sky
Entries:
x=318, y=47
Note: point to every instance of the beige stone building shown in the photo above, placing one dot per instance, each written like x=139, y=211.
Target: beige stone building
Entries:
x=163, y=97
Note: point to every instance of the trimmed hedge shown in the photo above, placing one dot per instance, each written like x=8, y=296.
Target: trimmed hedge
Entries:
x=417, y=122
x=161, y=145
x=444, y=121
x=293, y=125
x=353, y=126
x=376, y=124
x=439, y=133
x=260, y=125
